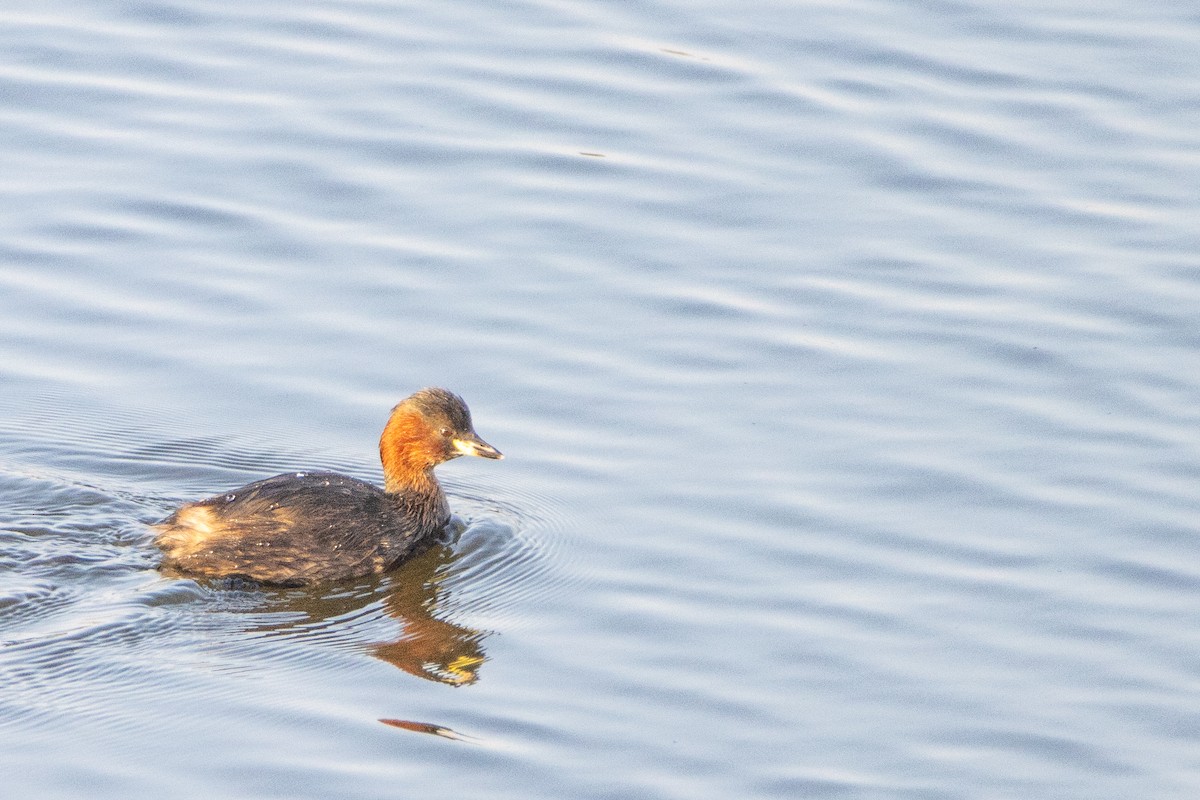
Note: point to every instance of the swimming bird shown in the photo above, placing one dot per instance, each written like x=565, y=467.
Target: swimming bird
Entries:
x=301, y=528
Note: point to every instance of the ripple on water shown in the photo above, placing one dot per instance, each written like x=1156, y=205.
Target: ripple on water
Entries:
x=28, y=601
x=510, y=555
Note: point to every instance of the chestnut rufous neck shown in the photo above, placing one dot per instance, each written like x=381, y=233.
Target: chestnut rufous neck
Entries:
x=409, y=452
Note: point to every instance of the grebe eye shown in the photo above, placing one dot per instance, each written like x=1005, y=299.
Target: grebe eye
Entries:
x=446, y=432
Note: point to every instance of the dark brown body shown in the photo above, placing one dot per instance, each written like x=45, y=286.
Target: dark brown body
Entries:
x=300, y=528
x=310, y=527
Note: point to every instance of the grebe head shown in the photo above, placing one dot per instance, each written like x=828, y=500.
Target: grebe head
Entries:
x=426, y=429
x=447, y=416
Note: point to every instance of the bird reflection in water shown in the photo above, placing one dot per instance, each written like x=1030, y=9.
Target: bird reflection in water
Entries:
x=414, y=595
x=429, y=647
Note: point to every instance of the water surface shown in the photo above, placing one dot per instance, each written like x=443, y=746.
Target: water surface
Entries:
x=843, y=356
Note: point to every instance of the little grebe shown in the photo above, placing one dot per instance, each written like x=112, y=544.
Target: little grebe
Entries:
x=308, y=527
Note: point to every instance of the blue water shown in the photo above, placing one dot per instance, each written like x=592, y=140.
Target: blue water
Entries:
x=844, y=356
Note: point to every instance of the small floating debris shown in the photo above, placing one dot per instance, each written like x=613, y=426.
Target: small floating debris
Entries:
x=430, y=728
